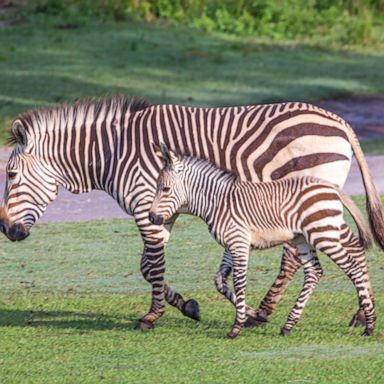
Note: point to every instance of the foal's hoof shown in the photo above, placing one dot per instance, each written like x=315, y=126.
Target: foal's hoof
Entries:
x=260, y=319
x=191, y=309
x=145, y=325
x=358, y=320
x=285, y=331
x=367, y=332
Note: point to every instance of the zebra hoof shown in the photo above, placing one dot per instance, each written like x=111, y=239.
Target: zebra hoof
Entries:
x=260, y=319
x=145, y=325
x=233, y=334
x=358, y=320
x=367, y=332
x=191, y=309
x=285, y=331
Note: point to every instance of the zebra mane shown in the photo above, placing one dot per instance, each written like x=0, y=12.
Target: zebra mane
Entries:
x=206, y=165
x=122, y=102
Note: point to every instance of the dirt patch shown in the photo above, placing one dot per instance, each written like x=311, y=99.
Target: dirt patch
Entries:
x=365, y=114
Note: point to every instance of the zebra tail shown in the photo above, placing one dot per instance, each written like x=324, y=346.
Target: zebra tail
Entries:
x=374, y=206
x=365, y=234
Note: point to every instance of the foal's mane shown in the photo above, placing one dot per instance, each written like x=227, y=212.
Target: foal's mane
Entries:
x=120, y=101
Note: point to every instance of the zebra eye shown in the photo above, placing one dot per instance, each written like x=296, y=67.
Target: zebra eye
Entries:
x=166, y=189
x=11, y=175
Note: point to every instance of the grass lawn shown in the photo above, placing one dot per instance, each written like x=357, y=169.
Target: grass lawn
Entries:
x=373, y=146
x=71, y=294
x=42, y=63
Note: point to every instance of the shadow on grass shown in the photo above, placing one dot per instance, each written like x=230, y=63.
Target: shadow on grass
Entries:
x=65, y=319
x=95, y=321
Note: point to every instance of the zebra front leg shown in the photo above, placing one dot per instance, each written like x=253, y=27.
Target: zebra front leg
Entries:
x=153, y=269
x=155, y=238
x=290, y=264
x=189, y=308
x=353, y=270
x=312, y=275
x=222, y=286
x=240, y=264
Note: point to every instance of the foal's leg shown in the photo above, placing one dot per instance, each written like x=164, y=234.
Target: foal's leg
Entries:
x=222, y=286
x=312, y=275
x=290, y=263
x=240, y=254
x=353, y=270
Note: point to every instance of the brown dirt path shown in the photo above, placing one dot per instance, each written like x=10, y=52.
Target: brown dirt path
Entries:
x=365, y=114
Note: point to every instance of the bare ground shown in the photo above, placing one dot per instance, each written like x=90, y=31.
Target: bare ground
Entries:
x=365, y=114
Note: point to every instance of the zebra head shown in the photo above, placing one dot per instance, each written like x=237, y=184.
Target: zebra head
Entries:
x=170, y=193
x=30, y=186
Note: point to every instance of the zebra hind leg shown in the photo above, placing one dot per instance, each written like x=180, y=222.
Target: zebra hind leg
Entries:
x=352, y=244
x=354, y=271
x=290, y=264
x=312, y=275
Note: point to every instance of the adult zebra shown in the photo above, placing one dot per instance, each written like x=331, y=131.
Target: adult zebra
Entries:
x=106, y=144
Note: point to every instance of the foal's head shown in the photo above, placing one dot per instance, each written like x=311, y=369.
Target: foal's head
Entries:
x=170, y=192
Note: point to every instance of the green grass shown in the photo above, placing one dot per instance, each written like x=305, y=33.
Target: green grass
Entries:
x=373, y=146
x=42, y=64
x=71, y=294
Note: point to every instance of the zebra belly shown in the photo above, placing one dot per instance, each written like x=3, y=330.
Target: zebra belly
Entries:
x=267, y=238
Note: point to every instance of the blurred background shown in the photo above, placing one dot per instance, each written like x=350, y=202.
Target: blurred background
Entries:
x=195, y=52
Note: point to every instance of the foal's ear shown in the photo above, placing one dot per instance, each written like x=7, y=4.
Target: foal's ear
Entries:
x=167, y=156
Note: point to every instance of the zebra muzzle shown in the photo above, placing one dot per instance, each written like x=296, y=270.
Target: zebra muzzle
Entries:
x=155, y=219
x=14, y=232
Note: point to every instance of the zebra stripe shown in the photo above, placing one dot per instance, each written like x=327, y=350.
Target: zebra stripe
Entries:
x=241, y=216
x=107, y=144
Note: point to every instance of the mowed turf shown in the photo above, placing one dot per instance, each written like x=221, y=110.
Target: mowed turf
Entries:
x=71, y=294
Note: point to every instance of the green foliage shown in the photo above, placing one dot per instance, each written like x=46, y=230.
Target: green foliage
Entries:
x=342, y=22
x=373, y=146
x=71, y=295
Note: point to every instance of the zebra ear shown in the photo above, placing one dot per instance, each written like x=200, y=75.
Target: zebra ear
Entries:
x=166, y=154
x=18, y=132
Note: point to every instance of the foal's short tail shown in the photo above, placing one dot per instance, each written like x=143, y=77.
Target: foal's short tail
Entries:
x=365, y=234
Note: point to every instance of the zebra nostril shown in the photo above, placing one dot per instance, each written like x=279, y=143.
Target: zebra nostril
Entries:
x=152, y=217
x=155, y=219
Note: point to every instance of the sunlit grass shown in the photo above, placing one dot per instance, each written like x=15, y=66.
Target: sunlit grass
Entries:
x=71, y=295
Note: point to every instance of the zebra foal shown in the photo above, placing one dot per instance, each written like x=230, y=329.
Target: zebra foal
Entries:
x=241, y=216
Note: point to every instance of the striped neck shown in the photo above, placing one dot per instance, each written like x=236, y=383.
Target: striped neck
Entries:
x=207, y=187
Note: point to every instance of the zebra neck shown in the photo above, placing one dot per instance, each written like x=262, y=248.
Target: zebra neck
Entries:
x=208, y=189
